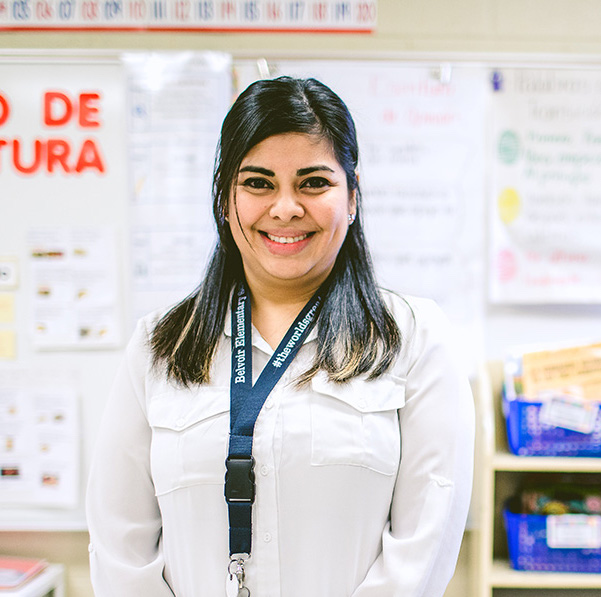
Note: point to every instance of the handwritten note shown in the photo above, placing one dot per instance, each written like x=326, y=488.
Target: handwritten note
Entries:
x=573, y=369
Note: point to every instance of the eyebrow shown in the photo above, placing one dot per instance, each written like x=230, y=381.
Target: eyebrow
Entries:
x=299, y=172
x=258, y=170
x=304, y=171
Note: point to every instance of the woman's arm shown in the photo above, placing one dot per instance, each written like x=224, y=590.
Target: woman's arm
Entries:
x=432, y=492
x=123, y=515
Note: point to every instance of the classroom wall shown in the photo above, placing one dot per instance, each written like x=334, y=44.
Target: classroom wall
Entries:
x=435, y=27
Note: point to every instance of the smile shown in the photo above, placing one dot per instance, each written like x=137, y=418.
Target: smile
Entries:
x=286, y=240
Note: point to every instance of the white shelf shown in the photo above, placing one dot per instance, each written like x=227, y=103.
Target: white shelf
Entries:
x=503, y=576
x=504, y=461
x=490, y=488
x=23, y=519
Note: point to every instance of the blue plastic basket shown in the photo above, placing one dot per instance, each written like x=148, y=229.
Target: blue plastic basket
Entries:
x=527, y=436
x=528, y=549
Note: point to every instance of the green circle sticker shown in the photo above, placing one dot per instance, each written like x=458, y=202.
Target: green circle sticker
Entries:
x=509, y=147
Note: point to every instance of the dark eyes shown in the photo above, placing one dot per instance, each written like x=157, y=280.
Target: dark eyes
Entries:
x=313, y=182
x=316, y=182
x=257, y=183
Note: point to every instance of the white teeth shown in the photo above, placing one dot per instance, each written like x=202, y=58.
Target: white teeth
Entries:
x=284, y=240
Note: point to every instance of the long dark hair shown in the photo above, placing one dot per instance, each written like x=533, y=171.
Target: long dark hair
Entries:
x=356, y=332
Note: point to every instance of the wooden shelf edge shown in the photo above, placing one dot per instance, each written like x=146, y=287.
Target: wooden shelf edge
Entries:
x=503, y=576
x=42, y=525
x=504, y=461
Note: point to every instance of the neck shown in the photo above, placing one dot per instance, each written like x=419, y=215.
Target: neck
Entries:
x=274, y=310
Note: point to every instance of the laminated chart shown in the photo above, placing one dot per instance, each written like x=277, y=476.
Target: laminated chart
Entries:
x=544, y=191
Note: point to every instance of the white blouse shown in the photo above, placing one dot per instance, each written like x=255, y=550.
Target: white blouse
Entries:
x=362, y=489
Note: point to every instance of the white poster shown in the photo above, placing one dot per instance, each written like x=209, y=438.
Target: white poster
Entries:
x=176, y=105
x=422, y=165
x=63, y=198
x=544, y=192
x=39, y=439
x=75, y=288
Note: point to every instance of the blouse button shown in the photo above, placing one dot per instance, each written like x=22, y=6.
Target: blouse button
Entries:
x=267, y=537
x=264, y=470
x=180, y=422
x=269, y=403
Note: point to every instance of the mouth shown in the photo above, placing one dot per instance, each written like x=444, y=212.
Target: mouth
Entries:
x=287, y=240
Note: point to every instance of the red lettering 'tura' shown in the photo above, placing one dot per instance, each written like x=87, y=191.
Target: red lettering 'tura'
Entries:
x=54, y=155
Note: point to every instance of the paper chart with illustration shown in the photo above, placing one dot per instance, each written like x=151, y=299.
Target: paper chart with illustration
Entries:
x=544, y=191
x=75, y=288
x=39, y=439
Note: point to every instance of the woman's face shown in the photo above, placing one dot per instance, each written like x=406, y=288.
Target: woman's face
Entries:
x=288, y=211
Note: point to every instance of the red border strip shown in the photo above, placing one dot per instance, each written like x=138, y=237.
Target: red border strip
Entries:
x=184, y=29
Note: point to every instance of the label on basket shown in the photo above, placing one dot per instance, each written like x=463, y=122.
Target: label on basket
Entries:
x=576, y=531
x=569, y=412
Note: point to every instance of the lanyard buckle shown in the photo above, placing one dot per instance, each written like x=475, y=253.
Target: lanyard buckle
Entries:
x=240, y=480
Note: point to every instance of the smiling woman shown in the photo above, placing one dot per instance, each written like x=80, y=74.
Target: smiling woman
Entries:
x=291, y=211
x=288, y=382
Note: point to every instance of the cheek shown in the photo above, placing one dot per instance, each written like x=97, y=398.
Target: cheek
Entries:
x=338, y=218
x=247, y=212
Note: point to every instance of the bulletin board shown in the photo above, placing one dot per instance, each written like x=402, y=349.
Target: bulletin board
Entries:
x=105, y=171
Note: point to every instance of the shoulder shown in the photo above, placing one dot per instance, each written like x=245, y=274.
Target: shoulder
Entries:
x=425, y=328
x=412, y=313
x=138, y=352
x=145, y=326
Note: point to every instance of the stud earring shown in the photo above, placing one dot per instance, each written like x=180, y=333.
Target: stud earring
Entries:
x=351, y=218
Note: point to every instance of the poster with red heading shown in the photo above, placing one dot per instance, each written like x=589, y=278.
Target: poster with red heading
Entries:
x=63, y=162
x=421, y=169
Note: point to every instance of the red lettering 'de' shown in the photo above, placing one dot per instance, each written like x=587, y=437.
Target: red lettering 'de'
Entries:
x=88, y=111
x=56, y=101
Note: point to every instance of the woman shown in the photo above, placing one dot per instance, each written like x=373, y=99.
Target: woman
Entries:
x=350, y=373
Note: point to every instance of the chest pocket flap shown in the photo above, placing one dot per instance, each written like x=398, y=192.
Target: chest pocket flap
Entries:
x=176, y=411
x=357, y=423
x=189, y=438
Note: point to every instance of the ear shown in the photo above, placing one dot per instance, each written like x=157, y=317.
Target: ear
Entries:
x=352, y=201
x=353, y=196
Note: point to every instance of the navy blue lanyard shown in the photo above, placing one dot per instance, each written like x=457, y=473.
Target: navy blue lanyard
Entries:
x=246, y=402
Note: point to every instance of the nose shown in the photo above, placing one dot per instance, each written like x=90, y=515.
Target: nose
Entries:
x=286, y=206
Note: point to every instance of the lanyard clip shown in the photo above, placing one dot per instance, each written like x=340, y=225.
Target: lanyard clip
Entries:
x=240, y=480
x=236, y=569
